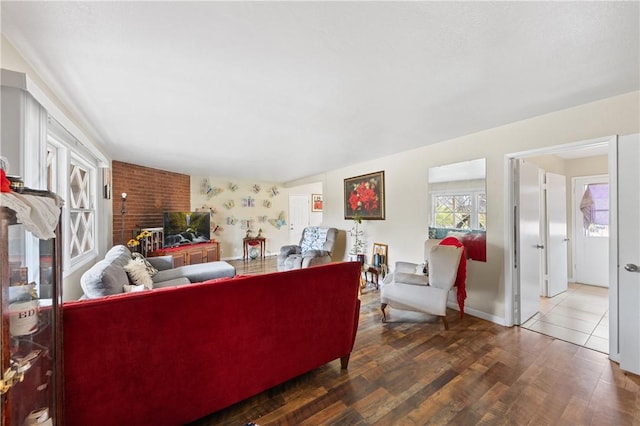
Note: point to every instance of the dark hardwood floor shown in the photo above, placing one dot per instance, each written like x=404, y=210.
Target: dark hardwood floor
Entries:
x=410, y=371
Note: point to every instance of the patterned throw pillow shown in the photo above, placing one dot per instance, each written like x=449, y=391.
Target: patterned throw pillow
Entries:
x=314, y=239
x=138, y=274
x=140, y=258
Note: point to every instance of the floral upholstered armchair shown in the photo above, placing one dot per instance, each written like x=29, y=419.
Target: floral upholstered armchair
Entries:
x=315, y=248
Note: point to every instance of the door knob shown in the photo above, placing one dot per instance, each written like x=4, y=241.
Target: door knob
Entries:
x=540, y=246
x=631, y=267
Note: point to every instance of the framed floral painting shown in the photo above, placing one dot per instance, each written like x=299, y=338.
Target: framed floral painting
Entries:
x=364, y=197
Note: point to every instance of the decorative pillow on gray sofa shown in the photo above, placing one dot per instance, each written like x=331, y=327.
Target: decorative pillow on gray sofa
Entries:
x=148, y=266
x=138, y=274
x=103, y=279
x=119, y=254
x=107, y=276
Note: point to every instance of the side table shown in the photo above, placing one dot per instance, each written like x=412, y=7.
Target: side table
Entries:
x=375, y=271
x=253, y=241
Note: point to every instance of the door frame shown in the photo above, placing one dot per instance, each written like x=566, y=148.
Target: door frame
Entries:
x=510, y=273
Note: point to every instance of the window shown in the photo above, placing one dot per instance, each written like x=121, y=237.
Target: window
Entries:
x=462, y=210
x=71, y=173
x=595, y=210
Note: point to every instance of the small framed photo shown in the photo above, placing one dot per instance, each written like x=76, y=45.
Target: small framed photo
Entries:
x=379, y=256
x=316, y=202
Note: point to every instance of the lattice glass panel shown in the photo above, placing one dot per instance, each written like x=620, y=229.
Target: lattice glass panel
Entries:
x=453, y=211
x=79, y=185
x=81, y=232
x=81, y=212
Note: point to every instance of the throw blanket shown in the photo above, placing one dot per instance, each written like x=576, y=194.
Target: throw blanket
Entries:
x=461, y=277
x=39, y=215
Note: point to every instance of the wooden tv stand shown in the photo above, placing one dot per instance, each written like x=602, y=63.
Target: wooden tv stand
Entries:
x=190, y=254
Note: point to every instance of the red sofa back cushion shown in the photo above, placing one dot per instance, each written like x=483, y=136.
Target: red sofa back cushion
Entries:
x=173, y=355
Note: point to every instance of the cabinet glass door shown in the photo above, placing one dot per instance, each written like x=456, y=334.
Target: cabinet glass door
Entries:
x=31, y=342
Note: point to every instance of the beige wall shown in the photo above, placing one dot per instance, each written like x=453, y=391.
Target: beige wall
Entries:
x=405, y=226
x=267, y=208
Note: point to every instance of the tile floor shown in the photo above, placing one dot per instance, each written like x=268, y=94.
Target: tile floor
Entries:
x=580, y=315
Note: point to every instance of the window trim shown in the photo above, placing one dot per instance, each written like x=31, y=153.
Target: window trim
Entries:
x=66, y=154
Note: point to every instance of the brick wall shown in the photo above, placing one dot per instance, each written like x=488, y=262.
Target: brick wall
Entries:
x=150, y=192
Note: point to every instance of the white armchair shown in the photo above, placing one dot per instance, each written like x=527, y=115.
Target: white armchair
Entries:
x=409, y=290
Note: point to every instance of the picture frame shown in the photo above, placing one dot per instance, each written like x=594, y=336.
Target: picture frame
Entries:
x=382, y=251
x=316, y=202
x=364, y=197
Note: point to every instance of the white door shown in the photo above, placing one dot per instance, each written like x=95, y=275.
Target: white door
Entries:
x=556, y=238
x=529, y=245
x=628, y=261
x=298, y=216
x=591, y=236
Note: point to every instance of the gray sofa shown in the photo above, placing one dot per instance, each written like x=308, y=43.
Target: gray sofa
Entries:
x=108, y=276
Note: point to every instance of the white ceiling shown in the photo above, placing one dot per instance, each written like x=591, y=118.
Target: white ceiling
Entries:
x=282, y=90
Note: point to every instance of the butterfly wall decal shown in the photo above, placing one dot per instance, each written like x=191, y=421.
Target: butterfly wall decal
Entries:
x=279, y=222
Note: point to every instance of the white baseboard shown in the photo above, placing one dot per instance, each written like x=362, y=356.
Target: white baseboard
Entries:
x=479, y=314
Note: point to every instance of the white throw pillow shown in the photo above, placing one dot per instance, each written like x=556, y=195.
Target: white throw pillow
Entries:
x=134, y=288
x=138, y=274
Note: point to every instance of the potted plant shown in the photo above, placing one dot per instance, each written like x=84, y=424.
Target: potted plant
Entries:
x=357, y=249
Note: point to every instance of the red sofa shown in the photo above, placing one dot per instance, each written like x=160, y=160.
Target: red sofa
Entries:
x=172, y=355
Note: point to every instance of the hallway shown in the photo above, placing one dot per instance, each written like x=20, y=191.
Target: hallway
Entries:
x=580, y=315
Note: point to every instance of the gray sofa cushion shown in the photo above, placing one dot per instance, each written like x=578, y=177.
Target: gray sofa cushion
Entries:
x=196, y=273
x=207, y=271
x=172, y=283
x=166, y=275
x=161, y=262
x=103, y=279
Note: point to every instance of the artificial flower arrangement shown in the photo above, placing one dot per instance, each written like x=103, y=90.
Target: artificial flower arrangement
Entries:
x=135, y=242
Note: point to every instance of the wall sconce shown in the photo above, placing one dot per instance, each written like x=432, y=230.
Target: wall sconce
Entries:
x=122, y=212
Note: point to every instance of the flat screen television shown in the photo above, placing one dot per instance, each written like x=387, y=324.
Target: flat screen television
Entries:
x=182, y=228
